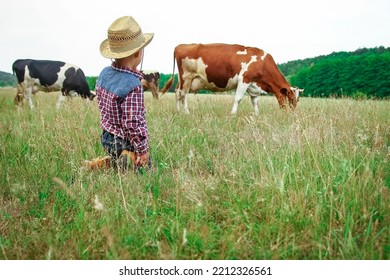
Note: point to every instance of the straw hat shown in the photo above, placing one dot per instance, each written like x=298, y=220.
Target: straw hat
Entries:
x=124, y=37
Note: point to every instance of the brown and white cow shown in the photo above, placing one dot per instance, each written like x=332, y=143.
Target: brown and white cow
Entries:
x=151, y=82
x=48, y=76
x=222, y=67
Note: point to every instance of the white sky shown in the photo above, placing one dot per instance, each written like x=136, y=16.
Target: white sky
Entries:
x=72, y=30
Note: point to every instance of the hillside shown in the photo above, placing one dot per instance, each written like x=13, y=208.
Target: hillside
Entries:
x=7, y=79
x=364, y=72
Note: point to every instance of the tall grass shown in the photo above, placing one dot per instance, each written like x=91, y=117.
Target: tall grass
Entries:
x=309, y=184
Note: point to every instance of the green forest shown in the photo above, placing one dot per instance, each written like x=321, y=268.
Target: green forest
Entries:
x=364, y=73
x=7, y=79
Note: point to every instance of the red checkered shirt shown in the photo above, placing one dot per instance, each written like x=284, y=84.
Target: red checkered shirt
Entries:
x=121, y=103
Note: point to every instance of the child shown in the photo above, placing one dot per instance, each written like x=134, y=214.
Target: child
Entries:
x=120, y=96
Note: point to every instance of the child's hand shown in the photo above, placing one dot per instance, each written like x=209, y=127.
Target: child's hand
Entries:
x=142, y=160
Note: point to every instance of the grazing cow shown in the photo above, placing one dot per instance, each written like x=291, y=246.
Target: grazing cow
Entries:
x=151, y=82
x=222, y=67
x=48, y=76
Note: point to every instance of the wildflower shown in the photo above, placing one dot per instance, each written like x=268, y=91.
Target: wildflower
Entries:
x=97, y=204
x=185, y=241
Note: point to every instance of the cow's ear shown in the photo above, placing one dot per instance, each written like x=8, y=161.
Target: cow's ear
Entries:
x=283, y=91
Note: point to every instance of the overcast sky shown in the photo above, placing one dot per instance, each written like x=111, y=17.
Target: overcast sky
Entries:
x=72, y=30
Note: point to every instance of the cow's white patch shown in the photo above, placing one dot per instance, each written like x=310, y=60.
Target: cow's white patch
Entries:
x=243, y=87
x=263, y=56
x=245, y=65
x=244, y=52
x=61, y=74
x=194, y=74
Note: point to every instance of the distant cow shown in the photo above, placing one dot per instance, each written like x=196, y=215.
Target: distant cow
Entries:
x=222, y=67
x=151, y=82
x=48, y=76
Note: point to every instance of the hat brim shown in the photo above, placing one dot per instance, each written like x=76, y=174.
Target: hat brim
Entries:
x=107, y=53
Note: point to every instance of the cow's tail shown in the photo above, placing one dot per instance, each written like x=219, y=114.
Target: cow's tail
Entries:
x=169, y=83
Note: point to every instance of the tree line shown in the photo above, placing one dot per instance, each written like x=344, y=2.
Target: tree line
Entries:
x=364, y=73
x=7, y=79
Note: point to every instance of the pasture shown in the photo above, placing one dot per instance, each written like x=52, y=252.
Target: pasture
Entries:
x=308, y=184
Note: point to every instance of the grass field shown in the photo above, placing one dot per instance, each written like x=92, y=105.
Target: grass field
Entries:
x=308, y=184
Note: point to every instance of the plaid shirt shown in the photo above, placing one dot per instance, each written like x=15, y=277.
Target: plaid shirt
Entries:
x=121, y=104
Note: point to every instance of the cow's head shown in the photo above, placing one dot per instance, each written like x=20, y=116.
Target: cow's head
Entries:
x=297, y=91
x=291, y=96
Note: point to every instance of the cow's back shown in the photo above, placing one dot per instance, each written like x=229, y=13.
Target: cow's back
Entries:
x=213, y=55
x=47, y=72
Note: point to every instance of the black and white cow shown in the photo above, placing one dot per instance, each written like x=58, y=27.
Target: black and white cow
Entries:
x=48, y=76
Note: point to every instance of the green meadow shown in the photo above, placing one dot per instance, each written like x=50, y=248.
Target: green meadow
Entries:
x=306, y=184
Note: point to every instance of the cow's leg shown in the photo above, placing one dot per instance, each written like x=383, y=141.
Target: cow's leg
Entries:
x=183, y=95
x=240, y=91
x=254, y=92
x=178, y=97
x=20, y=91
x=185, y=104
x=255, y=104
x=28, y=96
x=154, y=91
x=181, y=101
x=237, y=100
x=60, y=100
